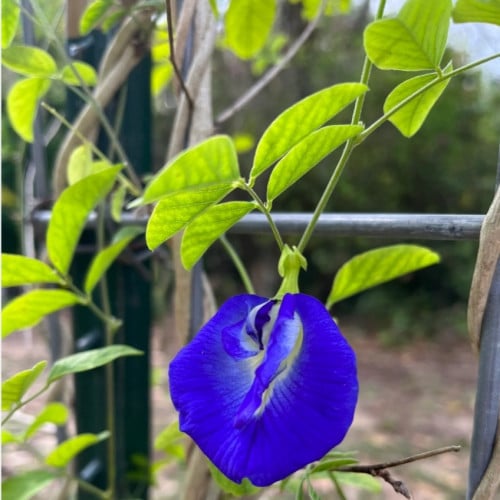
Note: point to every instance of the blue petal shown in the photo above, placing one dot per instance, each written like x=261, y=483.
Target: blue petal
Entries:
x=294, y=407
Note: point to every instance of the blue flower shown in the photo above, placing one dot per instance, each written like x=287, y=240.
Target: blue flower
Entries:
x=266, y=387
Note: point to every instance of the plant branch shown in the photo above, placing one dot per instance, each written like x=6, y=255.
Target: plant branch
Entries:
x=20, y=404
x=244, y=99
x=240, y=267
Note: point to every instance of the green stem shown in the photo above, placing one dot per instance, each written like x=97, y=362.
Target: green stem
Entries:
x=346, y=153
x=24, y=403
x=90, y=488
x=238, y=263
x=338, y=488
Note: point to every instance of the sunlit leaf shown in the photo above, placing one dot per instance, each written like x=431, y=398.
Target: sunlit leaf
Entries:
x=299, y=120
x=411, y=117
x=243, y=142
x=10, y=20
x=230, y=487
x=209, y=164
x=171, y=441
x=378, y=266
x=29, y=61
x=15, y=387
x=117, y=202
x=22, y=101
x=79, y=163
x=25, y=485
x=29, y=309
x=94, y=14
x=161, y=74
x=18, y=270
x=85, y=71
x=414, y=40
x=306, y=155
x=70, y=213
x=53, y=413
x=8, y=437
x=67, y=450
x=206, y=228
x=103, y=260
x=477, y=11
x=88, y=360
x=174, y=212
x=113, y=18
x=248, y=24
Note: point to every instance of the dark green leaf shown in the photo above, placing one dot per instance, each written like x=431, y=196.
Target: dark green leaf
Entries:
x=299, y=120
x=378, y=266
x=70, y=213
x=67, y=450
x=15, y=387
x=25, y=485
x=88, y=360
x=10, y=20
x=18, y=270
x=29, y=61
x=29, y=309
x=477, y=11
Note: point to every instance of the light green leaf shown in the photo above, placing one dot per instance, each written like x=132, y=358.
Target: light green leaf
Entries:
x=248, y=24
x=18, y=270
x=299, y=120
x=10, y=21
x=86, y=72
x=70, y=213
x=414, y=40
x=93, y=15
x=378, y=266
x=25, y=485
x=477, y=11
x=306, y=155
x=411, y=117
x=8, y=437
x=211, y=163
x=174, y=212
x=117, y=202
x=230, y=487
x=79, y=164
x=206, y=228
x=103, y=260
x=15, y=387
x=161, y=74
x=53, y=413
x=329, y=464
x=67, y=450
x=22, y=101
x=360, y=480
x=88, y=360
x=29, y=309
x=29, y=61
x=114, y=18
x=171, y=441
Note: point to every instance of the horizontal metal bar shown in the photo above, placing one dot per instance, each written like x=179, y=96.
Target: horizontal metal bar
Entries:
x=387, y=225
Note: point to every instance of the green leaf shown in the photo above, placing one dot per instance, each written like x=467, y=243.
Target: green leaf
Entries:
x=29, y=61
x=114, y=18
x=67, y=450
x=86, y=72
x=79, y=163
x=88, y=360
x=230, y=487
x=8, y=437
x=171, y=441
x=174, y=212
x=307, y=154
x=15, y=387
x=378, y=266
x=103, y=260
x=10, y=20
x=70, y=213
x=29, y=309
x=117, y=202
x=248, y=24
x=25, y=485
x=206, y=228
x=209, y=164
x=333, y=463
x=53, y=413
x=476, y=11
x=411, y=116
x=161, y=74
x=414, y=40
x=22, y=101
x=93, y=15
x=360, y=480
x=18, y=270
x=299, y=120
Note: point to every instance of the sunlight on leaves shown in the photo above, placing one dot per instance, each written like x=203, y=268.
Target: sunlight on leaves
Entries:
x=414, y=40
x=22, y=101
x=79, y=163
x=29, y=309
x=477, y=11
x=248, y=24
x=306, y=155
x=299, y=120
x=67, y=450
x=29, y=61
x=205, y=229
x=85, y=71
x=15, y=387
x=70, y=213
x=10, y=20
x=378, y=266
x=8, y=437
x=25, y=485
x=93, y=15
x=411, y=116
x=19, y=270
x=53, y=413
x=88, y=360
x=171, y=441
